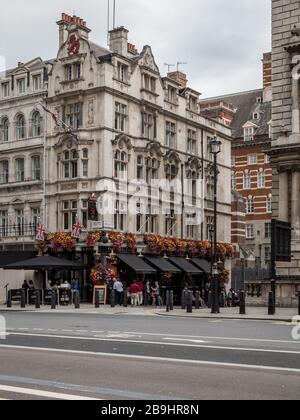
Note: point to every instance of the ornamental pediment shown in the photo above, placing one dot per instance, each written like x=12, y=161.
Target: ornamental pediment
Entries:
x=122, y=141
x=147, y=60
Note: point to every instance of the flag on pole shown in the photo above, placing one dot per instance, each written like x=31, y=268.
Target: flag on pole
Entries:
x=59, y=123
x=76, y=230
x=54, y=116
x=40, y=233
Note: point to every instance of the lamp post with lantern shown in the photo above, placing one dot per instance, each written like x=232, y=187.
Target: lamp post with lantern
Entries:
x=215, y=150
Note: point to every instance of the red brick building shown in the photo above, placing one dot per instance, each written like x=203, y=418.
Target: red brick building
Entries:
x=249, y=115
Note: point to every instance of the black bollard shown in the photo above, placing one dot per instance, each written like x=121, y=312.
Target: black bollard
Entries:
x=97, y=299
x=299, y=303
x=53, y=299
x=271, y=305
x=37, y=300
x=168, y=301
x=183, y=300
x=189, y=305
x=197, y=300
x=77, y=300
x=209, y=302
x=23, y=299
x=113, y=299
x=9, y=299
x=242, y=303
x=171, y=300
x=125, y=298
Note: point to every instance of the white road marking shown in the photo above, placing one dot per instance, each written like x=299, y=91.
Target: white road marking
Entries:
x=159, y=343
x=156, y=359
x=187, y=340
x=45, y=394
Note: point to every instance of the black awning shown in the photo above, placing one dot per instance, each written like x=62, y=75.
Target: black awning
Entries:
x=203, y=264
x=10, y=257
x=136, y=263
x=185, y=265
x=162, y=264
x=45, y=263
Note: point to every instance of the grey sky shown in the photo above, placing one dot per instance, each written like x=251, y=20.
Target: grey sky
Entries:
x=222, y=40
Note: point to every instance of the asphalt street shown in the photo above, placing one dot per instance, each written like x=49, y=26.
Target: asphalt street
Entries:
x=132, y=357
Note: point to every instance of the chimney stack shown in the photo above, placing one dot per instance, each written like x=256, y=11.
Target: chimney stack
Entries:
x=118, y=41
x=179, y=77
x=66, y=22
x=267, y=76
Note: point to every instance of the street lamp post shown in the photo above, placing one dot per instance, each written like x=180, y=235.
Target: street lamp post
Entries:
x=215, y=149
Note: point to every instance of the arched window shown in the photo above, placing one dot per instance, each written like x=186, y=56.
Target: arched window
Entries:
x=4, y=129
x=36, y=124
x=121, y=161
x=20, y=127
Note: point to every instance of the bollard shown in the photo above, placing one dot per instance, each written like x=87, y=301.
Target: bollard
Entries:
x=53, y=300
x=242, y=303
x=183, y=300
x=77, y=300
x=299, y=304
x=189, y=305
x=23, y=299
x=171, y=300
x=37, y=300
x=97, y=299
x=9, y=299
x=209, y=302
x=125, y=299
x=271, y=305
x=113, y=299
x=168, y=301
x=197, y=300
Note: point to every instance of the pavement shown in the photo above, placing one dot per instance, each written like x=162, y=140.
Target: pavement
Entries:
x=252, y=313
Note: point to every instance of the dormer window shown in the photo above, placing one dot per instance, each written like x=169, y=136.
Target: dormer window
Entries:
x=37, y=82
x=21, y=86
x=172, y=94
x=193, y=104
x=149, y=83
x=248, y=134
x=255, y=115
x=5, y=89
x=123, y=73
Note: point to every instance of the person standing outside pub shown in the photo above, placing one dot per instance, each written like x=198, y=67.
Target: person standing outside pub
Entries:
x=119, y=289
x=134, y=293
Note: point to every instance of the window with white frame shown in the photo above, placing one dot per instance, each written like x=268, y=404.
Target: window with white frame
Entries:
x=248, y=134
x=252, y=160
x=21, y=86
x=261, y=179
x=37, y=82
x=4, y=129
x=120, y=116
x=73, y=115
x=69, y=210
x=85, y=163
x=19, y=225
x=6, y=89
x=122, y=72
x=36, y=168
x=268, y=230
x=70, y=164
x=269, y=204
x=20, y=170
x=249, y=231
x=20, y=127
x=170, y=134
x=192, y=142
x=3, y=223
x=4, y=172
x=148, y=126
x=247, y=181
x=151, y=225
x=233, y=181
x=250, y=205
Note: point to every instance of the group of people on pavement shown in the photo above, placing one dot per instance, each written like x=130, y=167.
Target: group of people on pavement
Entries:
x=140, y=293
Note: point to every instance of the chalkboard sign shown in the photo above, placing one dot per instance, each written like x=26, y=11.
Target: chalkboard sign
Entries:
x=102, y=290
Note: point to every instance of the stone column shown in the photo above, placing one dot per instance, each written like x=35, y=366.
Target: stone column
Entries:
x=284, y=196
x=295, y=106
x=295, y=204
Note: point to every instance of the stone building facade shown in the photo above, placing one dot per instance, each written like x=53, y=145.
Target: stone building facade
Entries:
x=286, y=135
x=126, y=118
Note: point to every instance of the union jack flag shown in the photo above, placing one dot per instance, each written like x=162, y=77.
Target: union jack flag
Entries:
x=76, y=230
x=40, y=233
